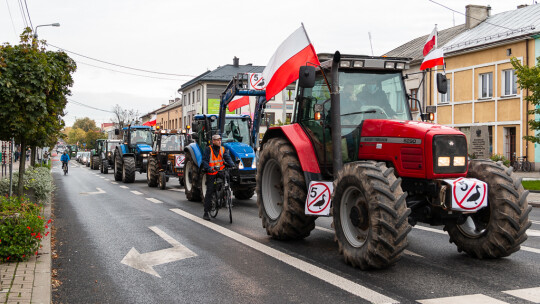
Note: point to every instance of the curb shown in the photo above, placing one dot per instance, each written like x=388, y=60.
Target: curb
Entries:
x=41, y=291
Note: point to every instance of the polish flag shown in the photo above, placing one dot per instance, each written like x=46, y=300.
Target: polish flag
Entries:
x=436, y=57
x=431, y=42
x=283, y=67
x=238, y=102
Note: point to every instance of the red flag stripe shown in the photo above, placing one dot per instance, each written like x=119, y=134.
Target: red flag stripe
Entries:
x=238, y=103
x=431, y=63
x=429, y=45
x=288, y=71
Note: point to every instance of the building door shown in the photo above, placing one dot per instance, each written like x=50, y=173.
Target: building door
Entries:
x=510, y=142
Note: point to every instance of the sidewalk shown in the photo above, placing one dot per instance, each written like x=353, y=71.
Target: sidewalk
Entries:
x=30, y=281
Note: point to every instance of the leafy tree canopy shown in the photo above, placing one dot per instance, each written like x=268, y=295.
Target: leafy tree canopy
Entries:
x=528, y=78
x=86, y=124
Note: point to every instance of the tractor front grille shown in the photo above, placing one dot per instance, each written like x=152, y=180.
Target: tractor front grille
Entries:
x=247, y=162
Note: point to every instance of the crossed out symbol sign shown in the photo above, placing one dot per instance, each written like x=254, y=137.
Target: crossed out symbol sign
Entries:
x=256, y=81
x=319, y=198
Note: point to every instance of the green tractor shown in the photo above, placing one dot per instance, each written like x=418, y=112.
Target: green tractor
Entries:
x=95, y=154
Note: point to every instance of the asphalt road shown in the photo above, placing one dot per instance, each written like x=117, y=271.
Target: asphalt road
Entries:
x=128, y=243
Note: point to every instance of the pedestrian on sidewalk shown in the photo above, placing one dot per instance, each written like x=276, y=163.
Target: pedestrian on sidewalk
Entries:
x=27, y=154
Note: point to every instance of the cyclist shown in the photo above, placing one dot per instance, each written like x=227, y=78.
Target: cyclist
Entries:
x=214, y=155
x=64, y=159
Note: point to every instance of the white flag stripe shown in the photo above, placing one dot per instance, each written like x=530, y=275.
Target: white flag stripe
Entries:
x=296, y=42
x=436, y=53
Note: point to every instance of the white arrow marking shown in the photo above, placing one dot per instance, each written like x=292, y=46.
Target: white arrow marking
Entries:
x=100, y=191
x=145, y=262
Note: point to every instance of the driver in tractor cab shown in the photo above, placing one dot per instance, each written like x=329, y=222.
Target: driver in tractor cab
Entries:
x=373, y=95
x=214, y=161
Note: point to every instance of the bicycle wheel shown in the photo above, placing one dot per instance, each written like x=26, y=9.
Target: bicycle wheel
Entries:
x=214, y=209
x=526, y=166
x=229, y=203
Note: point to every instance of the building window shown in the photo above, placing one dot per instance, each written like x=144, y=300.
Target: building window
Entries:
x=509, y=82
x=414, y=101
x=486, y=85
x=198, y=95
x=269, y=119
x=445, y=98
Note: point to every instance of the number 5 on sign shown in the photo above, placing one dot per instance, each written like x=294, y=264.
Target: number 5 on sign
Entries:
x=319, y=198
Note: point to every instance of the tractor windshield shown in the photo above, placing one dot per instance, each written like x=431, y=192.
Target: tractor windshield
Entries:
x=236, y=130
x=112, y=145
x=141, y=136
x=172, y=142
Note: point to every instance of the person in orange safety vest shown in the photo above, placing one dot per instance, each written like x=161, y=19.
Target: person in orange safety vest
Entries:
x=214, y=160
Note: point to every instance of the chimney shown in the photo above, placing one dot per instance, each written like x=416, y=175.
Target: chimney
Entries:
x=475, y=14
x=522, y=6
x=236, y=61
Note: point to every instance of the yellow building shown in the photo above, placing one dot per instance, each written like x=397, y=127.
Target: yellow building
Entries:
x=170, y=116
x=482, y=87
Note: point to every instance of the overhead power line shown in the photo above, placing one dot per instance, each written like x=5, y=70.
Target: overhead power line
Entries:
x=23, y=14
x=453, y=10
x=85, y=105
x=28, y=13
x=119, y=65
x=117, y=71
x=11, y=17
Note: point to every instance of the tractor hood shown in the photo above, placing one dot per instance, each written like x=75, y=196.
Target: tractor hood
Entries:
x=402, y=128
x=240, y=150
x=143, y=148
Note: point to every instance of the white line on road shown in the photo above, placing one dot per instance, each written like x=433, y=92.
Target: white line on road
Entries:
x=114, y=183
x=177, y=190
x=153, y=200
x=324, y=229
x=529, y=294
x=535, y=222
x=101, y=177
x=136, y=192
x=125, y=187
x=324, y=275
x=107, y=179
x=475, y=298
x=532, y=232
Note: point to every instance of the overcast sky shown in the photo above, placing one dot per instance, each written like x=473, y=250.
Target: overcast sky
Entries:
x=189, y=37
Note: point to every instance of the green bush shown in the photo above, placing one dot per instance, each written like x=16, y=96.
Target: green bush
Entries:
x=500, y=157
x=21, y=229
x=43, y=165
x=38, y=184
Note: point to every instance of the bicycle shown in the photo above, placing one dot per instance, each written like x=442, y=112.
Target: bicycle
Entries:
x=521, y=164
x=65, y=167
x=222, y=196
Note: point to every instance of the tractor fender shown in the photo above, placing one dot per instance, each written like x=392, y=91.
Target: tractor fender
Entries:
x=303, y=146
x=195, y=152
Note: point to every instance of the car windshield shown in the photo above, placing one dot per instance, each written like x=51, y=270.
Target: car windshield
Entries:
x=236, y=130
x=172, y=142
x=141, y=136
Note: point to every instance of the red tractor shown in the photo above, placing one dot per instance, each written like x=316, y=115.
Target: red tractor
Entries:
x=353, y=131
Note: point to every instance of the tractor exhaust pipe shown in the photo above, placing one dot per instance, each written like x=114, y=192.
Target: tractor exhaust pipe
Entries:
x=336, y=115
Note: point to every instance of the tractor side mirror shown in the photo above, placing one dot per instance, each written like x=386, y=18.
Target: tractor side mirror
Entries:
x=430, y=113
x=306, y=77
x=116, y=132
x=442, y=83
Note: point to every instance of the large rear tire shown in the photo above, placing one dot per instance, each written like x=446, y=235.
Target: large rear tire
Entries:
x=193, y=193
x=95, y=163
x=105, y=167
x=370, y=215
x=118, y=167
x=244, y=194
x=128, y=174
x=281, y=192
x=152, y=173
x=499, y=229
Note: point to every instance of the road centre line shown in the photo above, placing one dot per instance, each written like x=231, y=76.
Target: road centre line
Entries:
x=153, y=200
x=102, y=177
x=136, y=192
x=174, y=189
x=114, y=183
x=525, y=248
x=125, y=187
x=475, y=298
x=324, y=275
x=529, y=294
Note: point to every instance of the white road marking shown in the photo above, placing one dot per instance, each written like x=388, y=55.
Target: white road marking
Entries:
x=136, y=192
x=525, y=248
x=101, y=177
x=107, y=179
x=535, y=222
x=475, y=298
x=125, y=187
x=145, y=261
x=532, y=232
x=529, y=294
x=114, y=183
x=153, y=200
x=177, y=190
x=408, y=252
x=100, y=191
x=322, y=274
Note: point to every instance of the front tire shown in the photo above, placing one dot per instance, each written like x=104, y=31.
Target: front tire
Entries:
x=193, y=193
x=95, y=163
x=162, y=180
x=370, y=215
x=151, y=173
x=281, y=192
x=128, y=174
x=105, y=166
x=118, y=168
x=499, y=229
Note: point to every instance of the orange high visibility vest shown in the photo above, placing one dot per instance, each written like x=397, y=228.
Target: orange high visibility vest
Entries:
x=216, y=160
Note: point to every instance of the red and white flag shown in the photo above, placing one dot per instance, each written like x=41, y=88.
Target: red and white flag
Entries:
x=431, y=42
x=436, y=57
x=238, y=102
x=283, y=67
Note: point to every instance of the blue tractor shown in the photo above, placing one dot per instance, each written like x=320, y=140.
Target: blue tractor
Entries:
x=132, y=155
x=236, y=138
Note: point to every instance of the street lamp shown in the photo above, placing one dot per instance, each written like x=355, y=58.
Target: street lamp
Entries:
x=35, y=30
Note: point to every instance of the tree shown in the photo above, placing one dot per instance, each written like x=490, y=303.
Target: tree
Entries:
x=76, y=136
x=122, y=118
x=528, y=78
x=91, y=137
x=33, y=88
x=86, y=124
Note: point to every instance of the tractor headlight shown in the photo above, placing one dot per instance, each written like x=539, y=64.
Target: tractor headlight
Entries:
x=254, y=165
x=240, y=165
x=144, y=155
x=443, y=161
x=459, y=161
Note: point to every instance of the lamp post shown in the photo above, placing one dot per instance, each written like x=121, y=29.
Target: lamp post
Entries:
x=35, y=29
